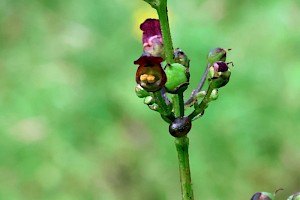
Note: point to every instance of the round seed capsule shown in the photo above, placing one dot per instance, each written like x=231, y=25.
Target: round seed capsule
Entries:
x=180, y=127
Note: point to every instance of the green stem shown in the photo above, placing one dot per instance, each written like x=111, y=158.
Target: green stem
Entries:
x=178, y=105
x=166, y=110
x=203, y=103
x=162, y=12
x=182, y=146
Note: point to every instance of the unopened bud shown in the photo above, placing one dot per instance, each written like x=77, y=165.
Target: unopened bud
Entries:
x=214, y=95
x=294, y=196
x=217, y=54
x=263, y=196
x=154, y=107
x=181, y=58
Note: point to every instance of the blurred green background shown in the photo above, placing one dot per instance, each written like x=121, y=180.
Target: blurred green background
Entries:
x=72, y=127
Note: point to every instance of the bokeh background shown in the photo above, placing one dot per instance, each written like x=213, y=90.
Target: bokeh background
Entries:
x=72, y=127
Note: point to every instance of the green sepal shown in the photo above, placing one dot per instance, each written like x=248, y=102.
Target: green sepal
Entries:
x=222, y=80
x=214, y=95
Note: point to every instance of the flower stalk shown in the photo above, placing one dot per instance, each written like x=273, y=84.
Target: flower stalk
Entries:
x=162, y=12
x=182, y=147
x=154, y=82
x=182, y=143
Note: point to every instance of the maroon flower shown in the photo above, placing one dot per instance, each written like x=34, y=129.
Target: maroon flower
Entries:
x=152, y=38
x=150, y=75
x=219, y=74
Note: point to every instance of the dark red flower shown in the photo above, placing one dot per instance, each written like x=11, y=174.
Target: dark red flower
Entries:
x=219, y=74
x=152, y=38
x=150, y=75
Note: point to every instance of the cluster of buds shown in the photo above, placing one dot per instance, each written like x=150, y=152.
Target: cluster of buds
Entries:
x=157, y=80
x=271, y=196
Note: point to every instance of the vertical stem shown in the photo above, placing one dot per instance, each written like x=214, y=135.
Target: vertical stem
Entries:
x=181, y=104
x=178, y=104
x=182, y=146
x=162, y=12
x=182, y=143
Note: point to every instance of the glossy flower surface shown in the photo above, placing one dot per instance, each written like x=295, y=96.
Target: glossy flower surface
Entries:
x=150, y=75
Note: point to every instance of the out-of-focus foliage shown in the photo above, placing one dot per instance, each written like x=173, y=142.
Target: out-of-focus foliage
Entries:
x=71, y=126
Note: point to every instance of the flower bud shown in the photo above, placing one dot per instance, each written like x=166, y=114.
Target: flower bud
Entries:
x=214, y=95
x=150, y=74
x=140, y=92
x=149, y=100
x=152, y=38
x=219, y=74
x=263, y=196
x=180, y=126
x=177, y=79
x=217, y=54
x=181, y=58
x=154, y=107
x=294, y=196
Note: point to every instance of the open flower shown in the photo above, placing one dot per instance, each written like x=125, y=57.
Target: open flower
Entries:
x=152, y=38
x=219, y=74
x=150, y=75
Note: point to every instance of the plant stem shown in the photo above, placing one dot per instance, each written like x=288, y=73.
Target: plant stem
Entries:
x=181, y=143
x=166, y=110
x=182, y=146
x=191, y=99
x=203, y=103
x=178, y=105
x=162, y=12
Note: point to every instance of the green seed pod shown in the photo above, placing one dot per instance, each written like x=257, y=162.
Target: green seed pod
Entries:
x=263, y=196
x=140, y=92
x=217, y=54
x=176, y=78
x=294, y=196
x=180, y=127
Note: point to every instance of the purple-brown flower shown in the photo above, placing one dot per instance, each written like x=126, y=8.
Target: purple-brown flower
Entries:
x=150, y=75
x=152, y=38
